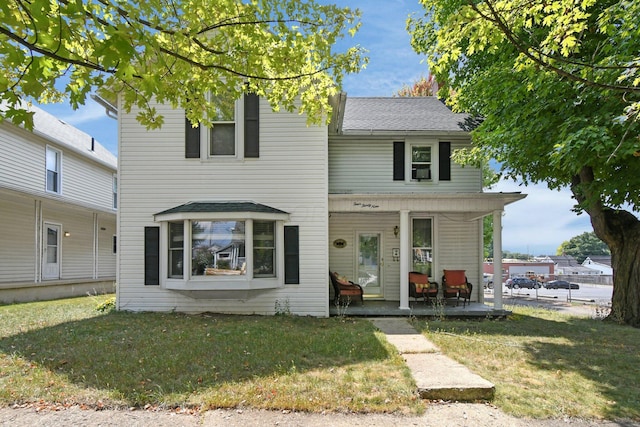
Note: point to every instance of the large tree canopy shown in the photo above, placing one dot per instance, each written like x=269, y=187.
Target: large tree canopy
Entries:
x=178, y=52
x=582, y=246
x=556, y=84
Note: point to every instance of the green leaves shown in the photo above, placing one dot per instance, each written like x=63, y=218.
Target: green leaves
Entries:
x=556, y=83
x=177, y=52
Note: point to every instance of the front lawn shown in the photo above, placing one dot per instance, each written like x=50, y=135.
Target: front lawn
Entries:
x=66, y=352
x=549, y=365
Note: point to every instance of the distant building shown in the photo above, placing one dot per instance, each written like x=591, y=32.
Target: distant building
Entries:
x=58, y=204
x=600, y=263
x=542, y=270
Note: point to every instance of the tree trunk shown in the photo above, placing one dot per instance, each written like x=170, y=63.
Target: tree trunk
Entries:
x=620, y=230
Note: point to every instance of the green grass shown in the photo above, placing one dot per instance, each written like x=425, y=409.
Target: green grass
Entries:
x=544, y=364
x=67, y=352
x=549, y=365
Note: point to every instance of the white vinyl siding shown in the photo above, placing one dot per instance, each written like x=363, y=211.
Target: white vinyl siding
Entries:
x=21, y=218
x=459, y=245
x=23, y=158
x=289, y=175
x=106, y=230
x=343, y=260
x=366, y=166
x=17, y=251
x=25, y=205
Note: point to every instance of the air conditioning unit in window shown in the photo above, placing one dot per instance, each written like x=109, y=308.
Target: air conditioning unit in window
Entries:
x=423, y=174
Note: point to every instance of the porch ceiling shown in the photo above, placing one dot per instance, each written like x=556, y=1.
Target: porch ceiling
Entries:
x=474, y=205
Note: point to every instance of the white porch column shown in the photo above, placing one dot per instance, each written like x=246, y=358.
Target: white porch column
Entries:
x=405, y=259
x=497, y=260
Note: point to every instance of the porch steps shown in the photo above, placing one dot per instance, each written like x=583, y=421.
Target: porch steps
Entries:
x=437, y=376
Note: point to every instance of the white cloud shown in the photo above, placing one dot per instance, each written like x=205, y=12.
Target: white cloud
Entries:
x=88, y=113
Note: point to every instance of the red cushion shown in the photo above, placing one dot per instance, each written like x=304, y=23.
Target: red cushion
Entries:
x=455, y=278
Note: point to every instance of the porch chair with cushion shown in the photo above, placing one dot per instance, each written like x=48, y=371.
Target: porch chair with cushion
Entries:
x=343, y=287
x=421, y=287
x=456, y=285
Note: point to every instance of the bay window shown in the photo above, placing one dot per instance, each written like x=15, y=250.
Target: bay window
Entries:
x=225, y=246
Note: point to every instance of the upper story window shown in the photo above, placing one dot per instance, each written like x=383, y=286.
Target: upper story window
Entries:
x=223, y=135
x=235, y=132
x=421, y=163
x=54, y=169
x=421, y=160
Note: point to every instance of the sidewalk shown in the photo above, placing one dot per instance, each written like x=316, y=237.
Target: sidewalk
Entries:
x=437, y=376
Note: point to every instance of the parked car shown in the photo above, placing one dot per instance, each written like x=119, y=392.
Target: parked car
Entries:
x=523, y=282
x=561, y=284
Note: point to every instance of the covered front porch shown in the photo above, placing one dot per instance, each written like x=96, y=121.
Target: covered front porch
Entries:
x=377, y=239
x=378, y=308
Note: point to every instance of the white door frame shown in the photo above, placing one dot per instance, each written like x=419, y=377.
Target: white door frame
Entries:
x=51, y=251
x=376, y=291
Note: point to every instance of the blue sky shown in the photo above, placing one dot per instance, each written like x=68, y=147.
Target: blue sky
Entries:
x=536, y=225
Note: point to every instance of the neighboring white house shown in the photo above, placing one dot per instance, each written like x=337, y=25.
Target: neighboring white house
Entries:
x=252, y=214
x=600, y=263
x=58, y=190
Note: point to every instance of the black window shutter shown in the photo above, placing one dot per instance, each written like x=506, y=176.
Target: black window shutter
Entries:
x=291, y=255
x=445, y=161
x=152, y=256
x=398, y=161
x=251, y=125
x=192, y=140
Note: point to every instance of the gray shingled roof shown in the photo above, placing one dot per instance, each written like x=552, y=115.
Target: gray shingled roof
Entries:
x=225, y=206
x=65, y=135
x=400, y=114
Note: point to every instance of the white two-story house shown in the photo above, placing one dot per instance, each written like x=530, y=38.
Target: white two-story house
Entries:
x=252, y=214
x=58, y=189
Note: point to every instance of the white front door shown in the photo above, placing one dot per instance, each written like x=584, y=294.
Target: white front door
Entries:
x=370, y=263
x=51, y=252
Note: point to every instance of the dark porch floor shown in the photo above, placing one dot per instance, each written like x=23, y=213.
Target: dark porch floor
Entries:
x=376, y=308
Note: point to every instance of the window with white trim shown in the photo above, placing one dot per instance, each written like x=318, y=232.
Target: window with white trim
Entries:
x=53, y=170
x=221, y=138
x=235, y=132
x=114, y=190
x=421, y=162
x=221, y=248
x=176, y=249
x=422, y=245
x=218, y=248
x=264, y=248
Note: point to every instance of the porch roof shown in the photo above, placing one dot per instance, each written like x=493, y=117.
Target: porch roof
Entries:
x=476, y=205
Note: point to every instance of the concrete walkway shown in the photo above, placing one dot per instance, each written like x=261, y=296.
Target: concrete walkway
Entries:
x=436, y=375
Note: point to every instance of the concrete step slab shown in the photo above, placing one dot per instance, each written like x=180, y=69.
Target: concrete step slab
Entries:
x=437, y=376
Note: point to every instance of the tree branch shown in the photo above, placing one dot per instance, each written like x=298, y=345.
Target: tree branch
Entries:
x=526, y=49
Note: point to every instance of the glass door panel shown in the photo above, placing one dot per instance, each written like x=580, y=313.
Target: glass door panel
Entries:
x=370, y=263
x=51, y=252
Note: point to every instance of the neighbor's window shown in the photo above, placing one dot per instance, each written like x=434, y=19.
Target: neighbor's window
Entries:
x=264, y=248
x=176, y=249
x=422, y=244
x=421, y=162
x=218, y=248
x=115, y=192
x=54, y=162
x=222, y=136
